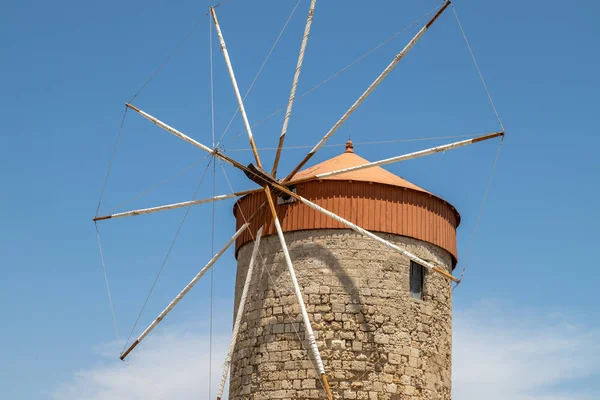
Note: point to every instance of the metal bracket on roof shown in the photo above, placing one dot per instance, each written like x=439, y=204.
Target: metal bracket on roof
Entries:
x=261, y=178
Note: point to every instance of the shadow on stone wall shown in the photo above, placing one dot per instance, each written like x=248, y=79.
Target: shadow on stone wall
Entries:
x=302, y=253
x=315, y=251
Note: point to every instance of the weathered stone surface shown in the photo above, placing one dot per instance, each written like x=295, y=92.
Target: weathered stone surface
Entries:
x=375, y=340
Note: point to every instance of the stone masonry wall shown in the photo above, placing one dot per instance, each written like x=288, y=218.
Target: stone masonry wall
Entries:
x=376, y=341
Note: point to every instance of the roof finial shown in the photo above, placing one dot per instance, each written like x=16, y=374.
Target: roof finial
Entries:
x=349, y=147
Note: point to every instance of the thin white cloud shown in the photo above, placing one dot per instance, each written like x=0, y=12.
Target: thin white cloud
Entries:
x=171, y=365
x=499, y=354
x=518, y=355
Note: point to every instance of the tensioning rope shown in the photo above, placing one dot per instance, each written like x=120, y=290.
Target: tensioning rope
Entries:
x=187, y=212
x=110, y=302
x=485, y=195
x=112, y=159
x=309, y=91
x=212, y=243
x=477, y=67
x=152, y=188
x=110, y=163
x=175, y=49
x=168, y=57
x=260, y=70
x=487, y=189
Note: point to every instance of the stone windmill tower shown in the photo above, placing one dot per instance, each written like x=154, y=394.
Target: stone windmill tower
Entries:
x=369, y=256
x=383, y=323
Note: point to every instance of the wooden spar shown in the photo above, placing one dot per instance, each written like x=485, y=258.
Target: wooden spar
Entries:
x=367, y=92
x=185, y=290
x=409, y=156
x=240, y=312
x=288, y=112
x=176, y=205
x=307, y=325
x=189, y=286
x=188, y=139
x=235, y=87
x=170, y=129
x=362, y=231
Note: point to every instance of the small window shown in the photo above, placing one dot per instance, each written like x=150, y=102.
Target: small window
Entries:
x=417, y=273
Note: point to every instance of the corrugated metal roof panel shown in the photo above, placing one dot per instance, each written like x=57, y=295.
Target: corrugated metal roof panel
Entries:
x=372, y=206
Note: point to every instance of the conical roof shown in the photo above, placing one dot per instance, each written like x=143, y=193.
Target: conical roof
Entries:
x=350, y=159
x=372, y=198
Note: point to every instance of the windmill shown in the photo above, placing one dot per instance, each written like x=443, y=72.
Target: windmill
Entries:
x=258, y=212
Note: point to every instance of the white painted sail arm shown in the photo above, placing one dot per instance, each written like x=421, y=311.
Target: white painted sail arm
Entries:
x=185, y=290
x=409, y=156
x=292, y=97
x=170, y=129
x=307, y=325
x=236, y=89
x=310, y=335
x=190, y=285
x=238, y=317
x=188, y=139
x=142, y=211
x=360, y=230
x=367, y=92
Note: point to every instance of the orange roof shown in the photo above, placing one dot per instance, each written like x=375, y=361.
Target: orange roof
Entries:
x=351, y=159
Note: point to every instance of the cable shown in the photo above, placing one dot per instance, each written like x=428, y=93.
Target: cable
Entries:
x=485, y=195
x=477, y=66
x=152, y=188
x=220, y=4
x=212, y=251
x=166, y=60
x=212, y=243
x=112, y=159
x=499, y=146
x=187, y=212
x=112, y=309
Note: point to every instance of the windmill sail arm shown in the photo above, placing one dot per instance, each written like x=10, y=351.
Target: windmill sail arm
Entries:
x=170, y=129
x=240, y=312
x=236, y=89
x=173, y=206
x=367, y=92
x=186, y=138
x=310, y=335
x=288, y=111
x=404, y=157
x=188, y=287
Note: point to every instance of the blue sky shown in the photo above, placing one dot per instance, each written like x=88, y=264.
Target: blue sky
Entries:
x=68, y=68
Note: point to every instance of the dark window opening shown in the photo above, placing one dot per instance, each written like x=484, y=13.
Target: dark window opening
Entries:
x=286, y=198
x=417, y=273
